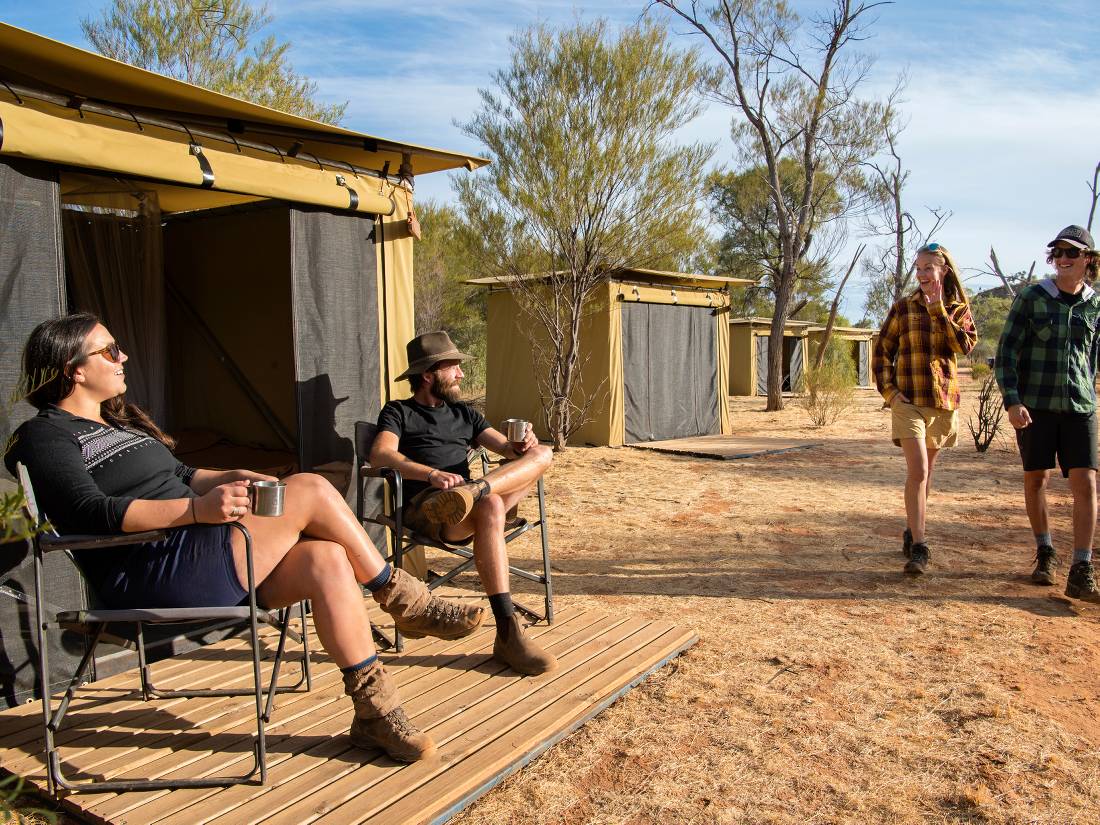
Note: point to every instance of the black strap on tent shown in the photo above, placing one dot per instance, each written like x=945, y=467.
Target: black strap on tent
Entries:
x=1, y=133
x=353, y=196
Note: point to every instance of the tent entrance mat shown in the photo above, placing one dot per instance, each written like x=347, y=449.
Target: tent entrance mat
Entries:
x=727, y=447
x=487, y=721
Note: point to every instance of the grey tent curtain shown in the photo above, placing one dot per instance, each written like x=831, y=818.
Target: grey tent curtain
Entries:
x=115, y=262
x=863, y=367
x=670, y=372
x=761, y=342
x=794, y=365
x=335, y=307
x=32, y=287
x=32, y=290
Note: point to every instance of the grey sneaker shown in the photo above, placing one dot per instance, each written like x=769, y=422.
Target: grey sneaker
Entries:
x=1081, y=583
x=1046, y=561
x=918, y=559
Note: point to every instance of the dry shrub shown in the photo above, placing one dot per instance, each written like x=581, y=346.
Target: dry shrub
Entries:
x=985, y=423
x=830, y=388
x=980, y=370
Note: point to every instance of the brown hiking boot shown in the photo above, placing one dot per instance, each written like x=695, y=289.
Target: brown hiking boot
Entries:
x=1046, y=561
x=512, y=519
x=379, y=720
x=417, y=613
x=1081, y=583
x=453, y=505
x=918, y=559
x=518, y=652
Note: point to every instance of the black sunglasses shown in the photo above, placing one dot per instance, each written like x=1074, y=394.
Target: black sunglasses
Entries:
x=1064, y=252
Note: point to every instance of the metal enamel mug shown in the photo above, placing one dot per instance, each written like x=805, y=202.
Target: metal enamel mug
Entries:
x=515, y=429
x=267, y=497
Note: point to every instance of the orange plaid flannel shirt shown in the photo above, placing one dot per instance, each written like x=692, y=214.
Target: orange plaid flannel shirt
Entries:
x=917, y=348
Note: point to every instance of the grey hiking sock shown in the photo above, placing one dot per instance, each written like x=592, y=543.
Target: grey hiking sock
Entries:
x=1082, y=555
x=1043, y=540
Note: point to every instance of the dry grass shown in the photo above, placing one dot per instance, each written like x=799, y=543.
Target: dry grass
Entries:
x=827, y=686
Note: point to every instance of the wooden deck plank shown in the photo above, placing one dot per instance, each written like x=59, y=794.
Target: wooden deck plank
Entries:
x=488, y=766
x=487, y=721
x=283, y=743
x=519, y=699
x=320, y=773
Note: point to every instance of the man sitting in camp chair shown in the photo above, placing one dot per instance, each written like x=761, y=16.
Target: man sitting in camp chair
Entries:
x=427, y=438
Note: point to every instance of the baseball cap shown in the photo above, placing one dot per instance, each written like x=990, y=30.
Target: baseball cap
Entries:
x=1075, y=236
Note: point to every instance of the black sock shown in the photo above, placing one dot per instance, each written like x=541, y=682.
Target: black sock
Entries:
x=381, y=580
x=363, y=664
x=502, y=607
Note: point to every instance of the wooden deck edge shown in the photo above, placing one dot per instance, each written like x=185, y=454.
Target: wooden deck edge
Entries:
x=537, y=751
x=717, y=457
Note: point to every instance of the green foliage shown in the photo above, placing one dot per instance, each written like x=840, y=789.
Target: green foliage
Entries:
x=209, y=43
x=980, y=370
x=443, y=300
x=990, y=312
x=12, y=811
x=586, y=180
x=749, y=246
x=830, y=389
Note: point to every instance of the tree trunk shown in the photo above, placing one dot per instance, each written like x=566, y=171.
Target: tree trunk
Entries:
x=775, y=340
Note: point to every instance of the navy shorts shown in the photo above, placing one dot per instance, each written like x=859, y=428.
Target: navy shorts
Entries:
x=1069, y=437
x=191, y=567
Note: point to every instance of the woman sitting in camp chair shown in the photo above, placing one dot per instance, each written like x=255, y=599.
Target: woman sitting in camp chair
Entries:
x=100, y=465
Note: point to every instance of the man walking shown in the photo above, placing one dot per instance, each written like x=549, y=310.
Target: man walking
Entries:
x=1046, y=369
x=426, y=438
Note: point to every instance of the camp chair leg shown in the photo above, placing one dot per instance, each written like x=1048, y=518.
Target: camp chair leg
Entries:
x=78, y=677
x=147, y=691
x=545, y=554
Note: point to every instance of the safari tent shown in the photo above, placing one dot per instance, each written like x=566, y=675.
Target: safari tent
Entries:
x=857, y=343
x=657, y=350
x=748, y=358
x=256, y=266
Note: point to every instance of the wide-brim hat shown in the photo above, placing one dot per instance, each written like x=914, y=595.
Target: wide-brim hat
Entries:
x=427, y=350
x=1076, y=236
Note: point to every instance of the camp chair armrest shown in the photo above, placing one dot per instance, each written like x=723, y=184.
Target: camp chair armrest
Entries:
x=81, y=541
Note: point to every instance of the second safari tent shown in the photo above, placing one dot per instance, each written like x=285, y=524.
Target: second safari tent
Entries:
x=748, y=359
x=656, y=346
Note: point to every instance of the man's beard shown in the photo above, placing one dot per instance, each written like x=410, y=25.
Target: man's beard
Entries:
x=450, y=393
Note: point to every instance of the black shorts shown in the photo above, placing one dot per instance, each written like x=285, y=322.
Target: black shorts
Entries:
x=1071, y=437
x=191, y=567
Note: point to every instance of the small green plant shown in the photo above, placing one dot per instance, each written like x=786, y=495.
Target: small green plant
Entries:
x=11, y=809
x=980, y=371
x=830, y=388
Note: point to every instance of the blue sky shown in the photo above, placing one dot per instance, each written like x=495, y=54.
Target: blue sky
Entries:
x=1003, y=99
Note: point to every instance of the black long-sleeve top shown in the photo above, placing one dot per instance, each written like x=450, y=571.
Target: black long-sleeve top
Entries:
x=85, y=474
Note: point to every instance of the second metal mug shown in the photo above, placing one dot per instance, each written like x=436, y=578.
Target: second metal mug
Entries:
x=516, y=429
x=267, y=497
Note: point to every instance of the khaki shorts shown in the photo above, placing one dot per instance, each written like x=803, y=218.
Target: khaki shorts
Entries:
x=939, y=428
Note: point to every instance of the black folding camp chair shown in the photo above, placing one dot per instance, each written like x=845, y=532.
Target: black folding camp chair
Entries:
x=402, y=539
x=94, y=624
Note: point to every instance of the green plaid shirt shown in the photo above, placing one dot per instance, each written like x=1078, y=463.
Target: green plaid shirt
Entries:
x=1047, y=355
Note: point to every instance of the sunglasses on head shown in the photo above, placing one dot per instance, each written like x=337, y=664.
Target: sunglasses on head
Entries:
x=930, y=247
x=1070, y=252
x=111, y=352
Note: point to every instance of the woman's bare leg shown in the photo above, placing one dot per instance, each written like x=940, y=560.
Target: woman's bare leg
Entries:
x=312, y=508
x=916, y=485
x=321, y=572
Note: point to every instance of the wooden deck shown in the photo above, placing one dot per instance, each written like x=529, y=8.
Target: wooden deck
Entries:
x=487, y=721
x=726, y=447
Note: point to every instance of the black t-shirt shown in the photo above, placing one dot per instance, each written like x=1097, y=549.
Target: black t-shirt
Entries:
x=1071, y=298
x=439, y=437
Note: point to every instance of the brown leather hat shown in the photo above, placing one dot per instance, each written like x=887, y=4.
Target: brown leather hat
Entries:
x=427, y=350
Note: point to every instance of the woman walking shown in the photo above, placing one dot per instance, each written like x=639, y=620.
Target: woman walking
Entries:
x=916, y=370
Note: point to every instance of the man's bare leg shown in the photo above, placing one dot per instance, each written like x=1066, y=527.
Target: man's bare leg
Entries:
x=1035, y=500
x=520, y=474
x=1082, y=483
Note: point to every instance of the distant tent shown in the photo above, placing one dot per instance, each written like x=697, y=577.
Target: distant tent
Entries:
x=748, y=359
x=657, y=351
x=856, y=341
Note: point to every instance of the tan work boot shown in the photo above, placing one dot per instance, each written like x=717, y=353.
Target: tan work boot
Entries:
x=453, y=505
x=417, y=613
x=380, y=722
x=518, y=652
